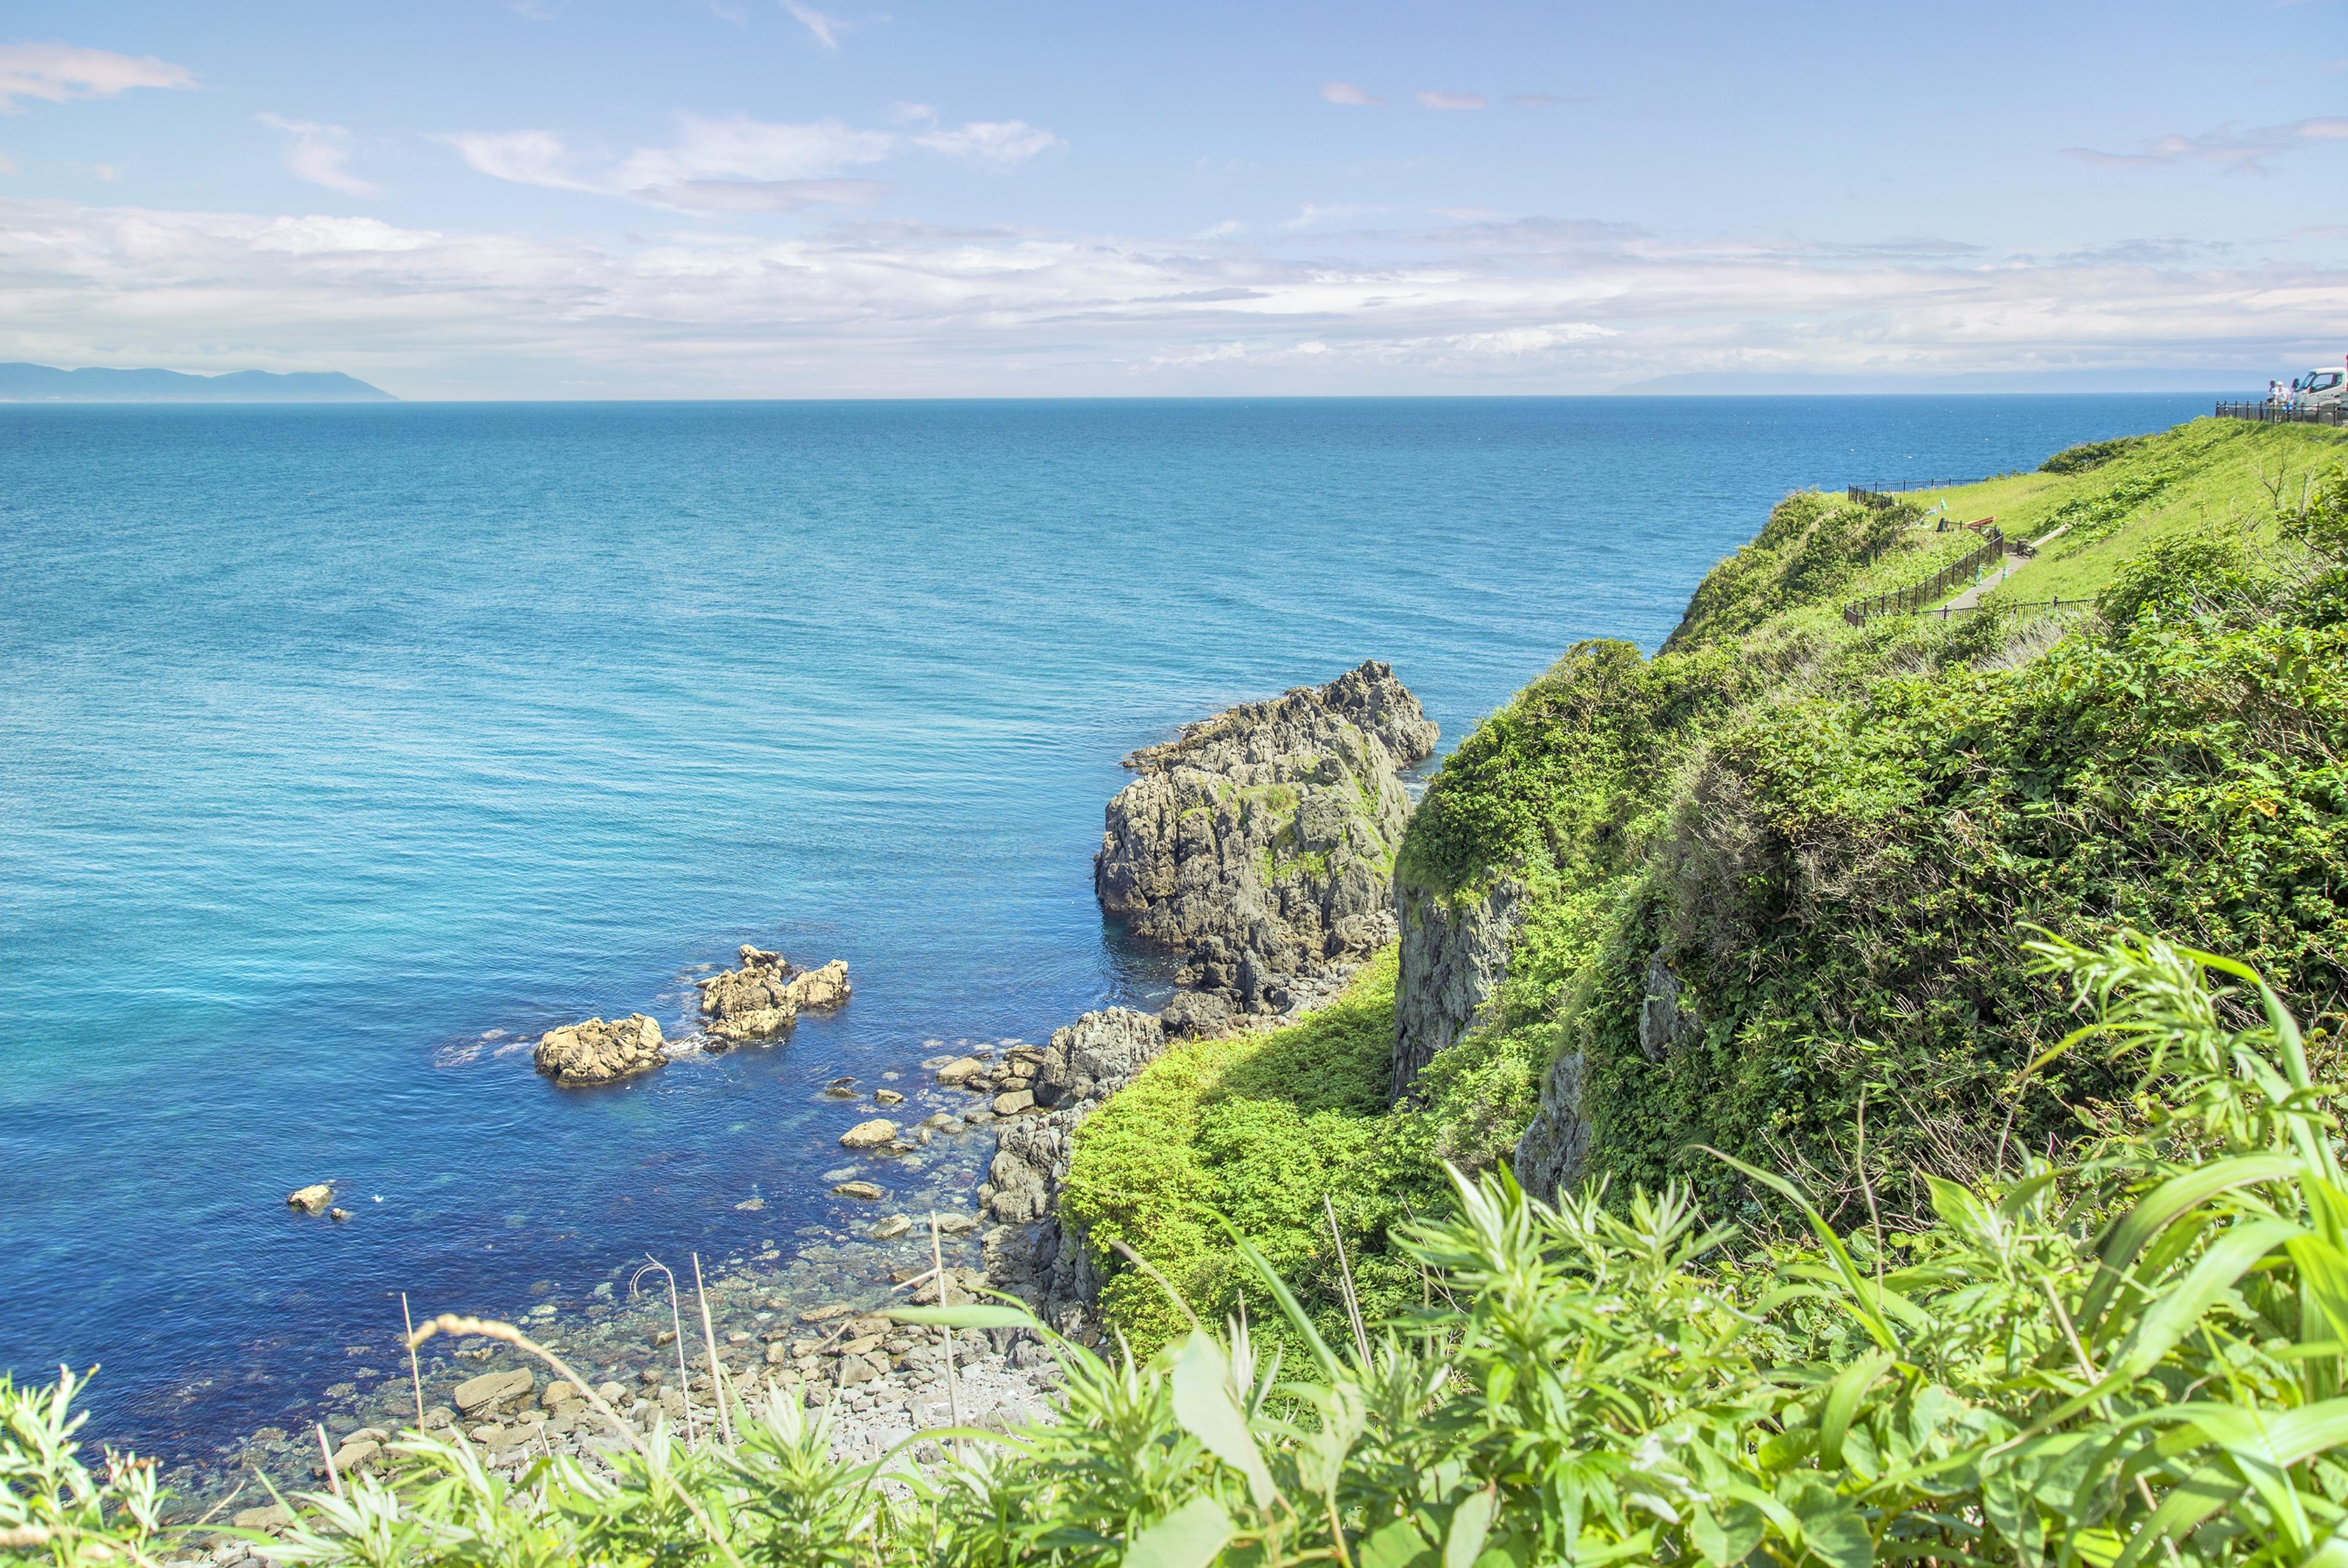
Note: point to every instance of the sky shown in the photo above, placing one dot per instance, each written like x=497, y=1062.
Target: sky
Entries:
x=559, y=199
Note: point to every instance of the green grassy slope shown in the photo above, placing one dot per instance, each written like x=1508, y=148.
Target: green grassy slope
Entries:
x=1833, y=837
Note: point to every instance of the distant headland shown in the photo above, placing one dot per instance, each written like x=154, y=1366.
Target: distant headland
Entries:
x=44, y=384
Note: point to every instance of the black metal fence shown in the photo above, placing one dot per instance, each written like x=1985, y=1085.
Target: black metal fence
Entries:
x=2283, y=414
x=1881, y=493
x=1933, y=589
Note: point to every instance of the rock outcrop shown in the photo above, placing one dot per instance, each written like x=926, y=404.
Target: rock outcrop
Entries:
x=1550, y=1152
x=1028, y=1250
x=766, y=995
x=1260, y=842
x=1455, y=955
x=596, y=1052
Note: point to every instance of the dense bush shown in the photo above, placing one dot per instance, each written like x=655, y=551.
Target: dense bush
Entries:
x=1845, y=879
x=2088, y=455
x=2130, y=1356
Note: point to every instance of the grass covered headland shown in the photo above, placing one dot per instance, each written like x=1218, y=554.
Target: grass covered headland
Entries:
x=1894, y=1228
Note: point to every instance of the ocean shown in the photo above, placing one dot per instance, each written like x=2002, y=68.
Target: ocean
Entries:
x=343, y=749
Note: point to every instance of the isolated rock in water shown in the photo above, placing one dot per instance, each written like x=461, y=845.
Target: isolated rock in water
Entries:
x=868, y=1190
x=312, y=1199
x=873, y=1134
x=1261, y=840
x=961, y=1070
x=819, y=989
x=597, y=1052
x=762, y=997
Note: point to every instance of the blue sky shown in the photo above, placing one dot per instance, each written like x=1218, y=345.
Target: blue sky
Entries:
x=715, y=198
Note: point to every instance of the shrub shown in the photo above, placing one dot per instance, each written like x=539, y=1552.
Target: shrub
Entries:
x=2128, y=1357
x=2088, y=455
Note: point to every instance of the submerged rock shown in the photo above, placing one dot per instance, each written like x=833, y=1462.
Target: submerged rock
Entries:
x=764, y=995
x=1260, y=841
x=596, y=1052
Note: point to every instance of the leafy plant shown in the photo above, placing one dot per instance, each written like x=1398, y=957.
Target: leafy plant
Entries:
x=2132, y=1356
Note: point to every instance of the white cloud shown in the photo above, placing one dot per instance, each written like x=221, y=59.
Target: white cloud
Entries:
x=322, y=236
x=827, y=29
x=714, y=165
x=55, y=72
x=2245, y=150
x=1346, y=93
x=763, y=195
x=1520, y=340
x=897, y=309
x=524, y=157
x=320, y=154
x=1432, y=99
x=8, y=164
x=999, y=142
x=736, y=148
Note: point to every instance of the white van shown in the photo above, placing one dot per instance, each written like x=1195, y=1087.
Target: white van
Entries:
x=2320, y=389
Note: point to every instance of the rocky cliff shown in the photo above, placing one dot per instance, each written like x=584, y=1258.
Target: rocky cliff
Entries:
x=1454, y=954
x=1260, y=842
x=1027, y=1250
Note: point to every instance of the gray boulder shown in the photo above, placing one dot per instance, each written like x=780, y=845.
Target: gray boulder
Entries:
x=1259, y=841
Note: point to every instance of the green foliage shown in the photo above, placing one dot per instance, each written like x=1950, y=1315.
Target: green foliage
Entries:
x=2088, y=455
x=2098, y=514
x=1844, y=878
x=1559, y=773
x=2132, y=1357
x=1262, y=1130
x=2176, y=575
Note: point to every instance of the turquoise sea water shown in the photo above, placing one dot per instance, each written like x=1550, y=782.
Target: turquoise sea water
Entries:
x=344, y=750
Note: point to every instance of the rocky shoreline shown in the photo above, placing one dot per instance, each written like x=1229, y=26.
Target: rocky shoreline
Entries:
x=1259, y=843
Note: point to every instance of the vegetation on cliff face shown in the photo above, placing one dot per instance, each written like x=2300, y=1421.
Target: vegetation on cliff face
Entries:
x=2130, y=1356
x=1829, y=839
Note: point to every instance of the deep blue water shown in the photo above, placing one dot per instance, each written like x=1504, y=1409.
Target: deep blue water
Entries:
x=335, y=741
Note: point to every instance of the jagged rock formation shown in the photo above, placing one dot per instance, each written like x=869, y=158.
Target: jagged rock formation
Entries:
x=596, y=1052
x=1550, y=1152
x=1454, y=957
x=1027, y=1250
x=1262, y=842
x=763, y=998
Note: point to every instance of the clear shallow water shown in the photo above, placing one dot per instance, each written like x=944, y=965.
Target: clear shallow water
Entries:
x=334, y=742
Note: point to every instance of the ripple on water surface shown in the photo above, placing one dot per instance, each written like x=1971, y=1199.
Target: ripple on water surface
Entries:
x=348, y=750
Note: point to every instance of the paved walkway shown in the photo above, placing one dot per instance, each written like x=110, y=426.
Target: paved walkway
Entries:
x=1972, y=596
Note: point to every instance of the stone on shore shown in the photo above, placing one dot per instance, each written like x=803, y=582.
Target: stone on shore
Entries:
x=312, y=1199
x=960, y=1071
x=1198, y=1016
x=596, y=1052
x=876, y=1133
x=271, y=1516
x=1014, y=1102
x=480, y=1393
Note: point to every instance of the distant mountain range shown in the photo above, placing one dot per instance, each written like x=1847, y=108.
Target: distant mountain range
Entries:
x=45, y=383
